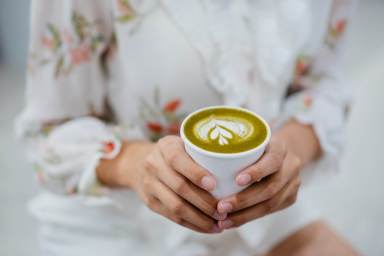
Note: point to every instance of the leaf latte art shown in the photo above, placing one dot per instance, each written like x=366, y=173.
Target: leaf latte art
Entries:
x=221, y=131
x=225, y=129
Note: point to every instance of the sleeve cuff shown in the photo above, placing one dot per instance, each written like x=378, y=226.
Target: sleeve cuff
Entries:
x=88, y=183
x=69, y=155
x=328, y=121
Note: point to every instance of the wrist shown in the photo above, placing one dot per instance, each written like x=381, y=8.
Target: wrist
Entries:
x=301, y=140
x=123, y=170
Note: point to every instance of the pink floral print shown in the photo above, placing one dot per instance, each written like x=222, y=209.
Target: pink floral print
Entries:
x=335, y=32
x=80, y=54
x=69, y=48
x=307, y=101
x=108, y=147
x=303, y=64
x=40, y=176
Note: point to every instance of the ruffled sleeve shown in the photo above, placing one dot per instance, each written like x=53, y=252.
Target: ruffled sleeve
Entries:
x=65, y=95
x=319, y=94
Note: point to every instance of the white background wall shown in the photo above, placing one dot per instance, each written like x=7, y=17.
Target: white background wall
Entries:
x=14, y=17
x=352, y=201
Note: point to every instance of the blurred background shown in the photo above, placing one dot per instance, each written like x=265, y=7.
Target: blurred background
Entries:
x=352, y=201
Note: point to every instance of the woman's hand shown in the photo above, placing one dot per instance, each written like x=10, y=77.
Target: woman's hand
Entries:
x=170, y=183
x=275, y=178
x=276, y=181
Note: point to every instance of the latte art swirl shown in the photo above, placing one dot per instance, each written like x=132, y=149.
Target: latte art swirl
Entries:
x=225, y=129
x=221, y=131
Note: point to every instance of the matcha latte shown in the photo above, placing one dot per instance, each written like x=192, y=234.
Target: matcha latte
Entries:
x=225, y=129
x=224, y=140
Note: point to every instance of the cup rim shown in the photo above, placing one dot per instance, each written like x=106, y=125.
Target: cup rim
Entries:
x=225, y=155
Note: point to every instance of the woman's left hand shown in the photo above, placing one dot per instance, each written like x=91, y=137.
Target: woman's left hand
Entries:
x=275, y=183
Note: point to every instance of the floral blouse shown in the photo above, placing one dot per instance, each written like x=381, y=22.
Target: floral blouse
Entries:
x=104, y=71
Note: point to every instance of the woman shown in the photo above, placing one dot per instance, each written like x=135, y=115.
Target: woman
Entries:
x=110, y=81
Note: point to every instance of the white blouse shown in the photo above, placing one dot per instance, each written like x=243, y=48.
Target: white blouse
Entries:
x=104, y=71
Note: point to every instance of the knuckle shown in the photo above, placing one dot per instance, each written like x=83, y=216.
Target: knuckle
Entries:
x=173, y=138
x=239, y=221
x=146, y=201
x=271, y=205
x=178, y=220
x=281, y=152
x=296, y=163
x=150, y=202
x=181, y=186
x=169, y=140
x=173, y=156
x=256, y=173
x=305, y=252
x=280, y=148
x=164, y=141
x=210, y=211
x=271, y=189
x=275, y=162
x=237, y=201
x=297, y=184
x=150, y=163
x=178, y=208
x=208, y=206
x=147, y=183
x=198, y=172
x=212, y=203
x=292, y=199
x=274, y=158
x=208, y=226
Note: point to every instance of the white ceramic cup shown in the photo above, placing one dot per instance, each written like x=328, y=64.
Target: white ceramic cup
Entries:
x=224, y=166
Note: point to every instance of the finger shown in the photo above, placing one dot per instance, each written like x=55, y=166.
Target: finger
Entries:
x=269, y=163
x=158, y=207
x=263, y=190
x=186, y=224
x=244, y=199
x=285, y=197
x=281, y=200
x=288, y=196
x=196, y=196
x=175, y=156
x=179, y=207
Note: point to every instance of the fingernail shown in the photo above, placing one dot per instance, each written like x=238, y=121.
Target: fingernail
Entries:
x=208, y=183
x=216, y=229
x=224, y=207
x=225, y=224
x=243, y=179
x=219, y=216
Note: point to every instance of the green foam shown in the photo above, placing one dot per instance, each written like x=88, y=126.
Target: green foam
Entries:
x=235, y=144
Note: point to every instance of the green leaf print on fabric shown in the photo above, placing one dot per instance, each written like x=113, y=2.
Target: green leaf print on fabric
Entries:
x=126, y=11
x=159, y=119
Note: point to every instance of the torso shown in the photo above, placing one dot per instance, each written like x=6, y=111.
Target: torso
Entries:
x=155, y=86
x=162, y=81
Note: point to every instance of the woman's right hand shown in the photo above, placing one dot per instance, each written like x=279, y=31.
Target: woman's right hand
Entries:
x=168, y=181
